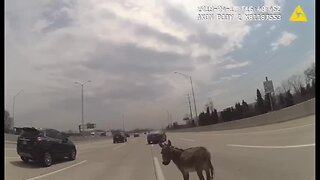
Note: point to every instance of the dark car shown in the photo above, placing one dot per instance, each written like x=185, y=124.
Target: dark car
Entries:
x=119, y=137
x=157, y=136
x=136, y=135
x=44, y=146
x=127, y=135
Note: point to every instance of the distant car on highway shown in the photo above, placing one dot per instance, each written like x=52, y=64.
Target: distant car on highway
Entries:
x=156, y=136
x=136, y=135
x=44, y=146
x=127, y=135
x=119, y=137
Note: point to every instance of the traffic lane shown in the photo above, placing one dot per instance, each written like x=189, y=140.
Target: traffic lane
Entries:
x=293, y=135
x=251, y=163
x=15, y=168
x=263, y=163
x=122, y=161
x=301, y=136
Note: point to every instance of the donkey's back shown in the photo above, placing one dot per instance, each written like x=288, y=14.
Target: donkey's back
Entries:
x=195, y=158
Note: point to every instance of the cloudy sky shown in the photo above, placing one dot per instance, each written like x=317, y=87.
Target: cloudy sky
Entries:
x=129, y=50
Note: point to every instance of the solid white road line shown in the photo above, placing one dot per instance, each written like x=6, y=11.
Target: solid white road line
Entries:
x=184, y=139
x=53, y=172
x=159, y=173
x=272, y=147
x=257, y=132
x=117, y=147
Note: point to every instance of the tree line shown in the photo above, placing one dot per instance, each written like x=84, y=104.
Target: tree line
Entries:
x=295, y=89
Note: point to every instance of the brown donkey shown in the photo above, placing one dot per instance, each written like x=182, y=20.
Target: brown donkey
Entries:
x=188, y=160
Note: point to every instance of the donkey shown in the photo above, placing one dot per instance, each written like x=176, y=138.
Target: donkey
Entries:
x=188, y=160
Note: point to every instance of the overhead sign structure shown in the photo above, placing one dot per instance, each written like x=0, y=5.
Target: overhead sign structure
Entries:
x=268, y=87
x=298, y=15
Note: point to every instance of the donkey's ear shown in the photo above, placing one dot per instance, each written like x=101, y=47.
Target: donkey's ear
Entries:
x=169, y=143
x=161, y=145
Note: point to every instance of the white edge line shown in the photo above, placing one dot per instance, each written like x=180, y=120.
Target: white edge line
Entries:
x=191, y=140
x=159, y=173
x=256, y=132
x=272, y=147
x=53, y=172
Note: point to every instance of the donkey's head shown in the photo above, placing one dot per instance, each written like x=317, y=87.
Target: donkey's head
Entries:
x=167, y=152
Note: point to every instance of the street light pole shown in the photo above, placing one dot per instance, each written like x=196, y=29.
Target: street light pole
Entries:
x=82, y=119
x=194, y=99
x=190, y=107
x=14, y=101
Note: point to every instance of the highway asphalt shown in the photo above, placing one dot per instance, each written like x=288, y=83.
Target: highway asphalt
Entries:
x=281, y=151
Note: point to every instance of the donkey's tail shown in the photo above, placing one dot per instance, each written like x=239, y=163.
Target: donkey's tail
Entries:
x=211, y=169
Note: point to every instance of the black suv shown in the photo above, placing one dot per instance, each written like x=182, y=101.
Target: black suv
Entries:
x=119, y=137
x=44, y=146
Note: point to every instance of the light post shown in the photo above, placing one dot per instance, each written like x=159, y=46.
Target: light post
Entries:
x=194, y=100
x=14, y=101
x=82, y=84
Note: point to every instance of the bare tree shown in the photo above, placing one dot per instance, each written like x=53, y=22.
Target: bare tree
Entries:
x=209, y=104
x=295, y=82
x=285, y=86
x=310, y=73
x=278, y=90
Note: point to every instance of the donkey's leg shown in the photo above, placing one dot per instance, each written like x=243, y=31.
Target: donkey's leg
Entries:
x=185, y=175
x=200, y=175
x=208, y=174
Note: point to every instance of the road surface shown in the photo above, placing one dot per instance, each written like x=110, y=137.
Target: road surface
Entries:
x=282, y=151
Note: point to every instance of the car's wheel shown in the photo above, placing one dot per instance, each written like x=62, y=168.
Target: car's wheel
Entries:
x=149, y=142
x=72, y=155
x=24, y=159
x=47, y=159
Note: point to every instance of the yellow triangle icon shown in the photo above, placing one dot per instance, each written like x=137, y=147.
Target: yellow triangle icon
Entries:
x=298, y=15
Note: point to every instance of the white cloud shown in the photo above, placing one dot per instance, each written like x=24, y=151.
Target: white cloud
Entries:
x=258, y=25
x=53, y=43
x=285, y=40
x=236, y=65
x=272, y=27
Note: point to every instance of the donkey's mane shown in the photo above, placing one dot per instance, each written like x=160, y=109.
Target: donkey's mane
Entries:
x=177, y=148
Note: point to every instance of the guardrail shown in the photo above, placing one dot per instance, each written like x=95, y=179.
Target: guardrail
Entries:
x=293, y=112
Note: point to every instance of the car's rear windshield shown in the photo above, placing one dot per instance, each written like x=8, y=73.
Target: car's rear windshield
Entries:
x=30, y=132
x=156, y=132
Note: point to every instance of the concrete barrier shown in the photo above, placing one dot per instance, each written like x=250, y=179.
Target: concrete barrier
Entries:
x=293, y=112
